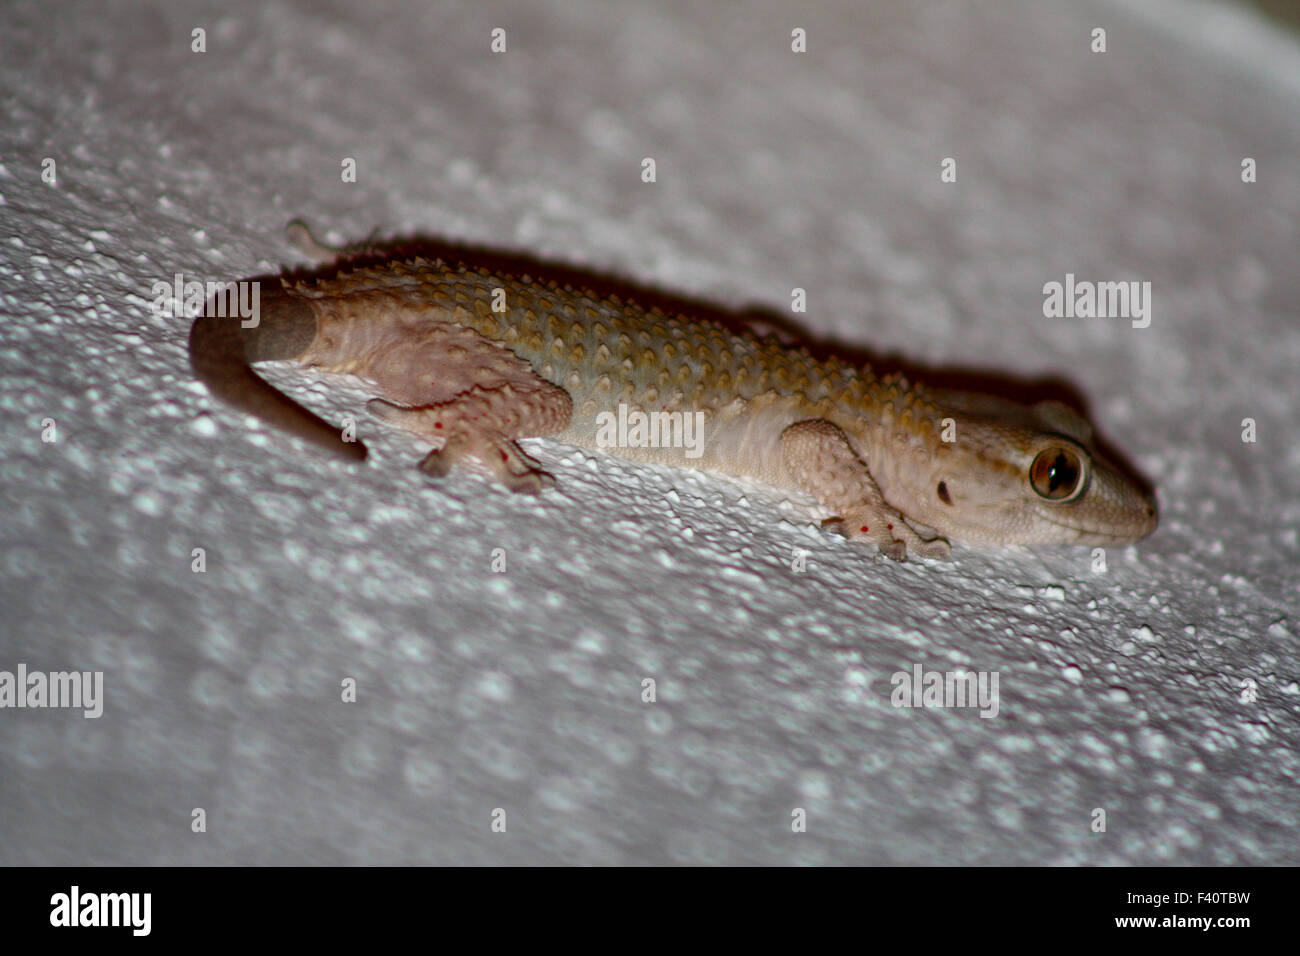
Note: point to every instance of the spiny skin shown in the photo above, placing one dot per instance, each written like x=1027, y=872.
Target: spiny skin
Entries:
x=895, y=462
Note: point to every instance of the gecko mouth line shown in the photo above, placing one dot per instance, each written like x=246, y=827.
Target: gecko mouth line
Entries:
x=1108, y=537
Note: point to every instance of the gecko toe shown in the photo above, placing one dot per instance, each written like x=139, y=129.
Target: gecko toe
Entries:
x=894, y=550
x=531, y=482
x=836, y=526
x=435, y=464
x=937, y=548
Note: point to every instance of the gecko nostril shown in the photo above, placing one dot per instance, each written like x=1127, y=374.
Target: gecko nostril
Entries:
x=943, y=493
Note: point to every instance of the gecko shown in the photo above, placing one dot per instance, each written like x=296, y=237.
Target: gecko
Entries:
x=473, y=360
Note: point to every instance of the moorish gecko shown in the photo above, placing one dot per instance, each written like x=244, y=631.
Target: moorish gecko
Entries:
x=472, y=360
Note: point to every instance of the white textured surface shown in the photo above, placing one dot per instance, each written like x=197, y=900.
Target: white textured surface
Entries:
x=521, y=691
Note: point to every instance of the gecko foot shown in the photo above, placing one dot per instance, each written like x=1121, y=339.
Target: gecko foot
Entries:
x=506, y=460
x=895, y=538
x=481, y=423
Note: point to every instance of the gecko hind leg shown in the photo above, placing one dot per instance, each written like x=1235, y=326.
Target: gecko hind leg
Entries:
x=484, y=423
x=299, y=235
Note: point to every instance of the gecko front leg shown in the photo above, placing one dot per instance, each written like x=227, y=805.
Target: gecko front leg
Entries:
x=818, y=454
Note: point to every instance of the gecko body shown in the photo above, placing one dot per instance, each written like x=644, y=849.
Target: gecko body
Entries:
x=473, y=360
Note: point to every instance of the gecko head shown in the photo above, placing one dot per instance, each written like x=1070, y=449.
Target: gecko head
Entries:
x=1025, y=474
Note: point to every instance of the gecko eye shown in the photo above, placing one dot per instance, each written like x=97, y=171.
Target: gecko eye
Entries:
x=1058, y=474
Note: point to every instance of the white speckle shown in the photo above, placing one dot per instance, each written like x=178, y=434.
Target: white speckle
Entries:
x=495, y=685
x=741, y=578
x=1256, y=732
x=590, y=641
x=1011, y=819
x=203, y=425
x=1279, y=629
x=147, y=503
x=1153, y=743
x=1016, y=744
x=814, y=785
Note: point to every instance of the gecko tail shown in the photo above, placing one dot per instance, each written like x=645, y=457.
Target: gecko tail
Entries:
x=221, y=350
